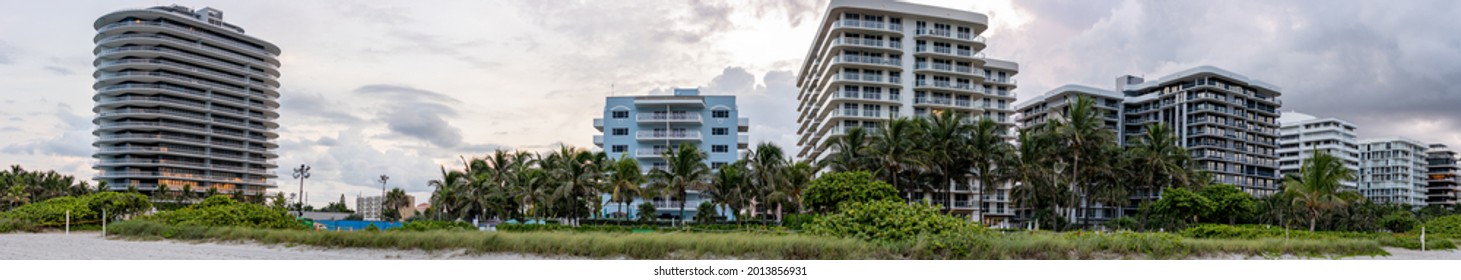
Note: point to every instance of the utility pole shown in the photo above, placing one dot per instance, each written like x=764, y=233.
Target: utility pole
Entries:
x=381, y=214
x=301, y=173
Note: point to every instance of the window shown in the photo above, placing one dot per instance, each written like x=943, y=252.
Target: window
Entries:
x=719, y=131
x=621, y=131
x=720, y=114
x=621, y=114
x=719, y=148
x=619, y=148
x=716, y=165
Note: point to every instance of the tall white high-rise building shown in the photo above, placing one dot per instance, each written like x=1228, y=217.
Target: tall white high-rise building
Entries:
x=184, y=99
x=1301, y=134
x=876, y=60
x=1393, y=170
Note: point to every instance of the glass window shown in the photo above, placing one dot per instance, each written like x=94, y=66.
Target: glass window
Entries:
x=621, y=114
x=719, y=131
x=621, y=131
x=720, y=114
x=719, y=148
x=619, y=148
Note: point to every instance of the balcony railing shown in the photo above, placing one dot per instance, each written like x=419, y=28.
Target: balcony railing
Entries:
x=876, y=60
x=669, y=135
x=190, y=30
x=869, y=24
x=646, y=117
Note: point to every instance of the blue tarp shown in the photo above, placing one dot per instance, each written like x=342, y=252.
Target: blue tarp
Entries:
x=357, y=225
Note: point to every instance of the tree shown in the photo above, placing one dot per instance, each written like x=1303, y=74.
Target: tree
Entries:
x=895, y=152
x=850, y=152
x=1082, y=132
x=624, y=182
x=162, y=193
x=395, y=199
x=825, y=194
x=726, y=186
x=1158, y=162
x=685, y=171
x=646, y=212
x=705, y=213
x=1037, y=171
x=987, y=152
x=1316, y=187
x=187, y=193
x=1184, y=205
x=1229, y=203
x=338, y=207
x=767, y=164
x=947, y=136
x=279, y=201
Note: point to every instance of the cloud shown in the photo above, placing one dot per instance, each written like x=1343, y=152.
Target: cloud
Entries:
x=74, y=141
x=771, y=105
x=58, y=70
x=1391, y=69
x=417, y=113
x=7, y=53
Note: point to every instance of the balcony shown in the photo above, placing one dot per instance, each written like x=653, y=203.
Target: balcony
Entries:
x=599, y=124
x=743, y=141
x=962, y=87
x=650, y=153
x=599, y=141
x=892, y=62
x=943, y=101
x=672, y=118
x=671, y=101
x=193, y=31
x=874, y=25
x=861, y=42
x=668, y=135
x=743, y=124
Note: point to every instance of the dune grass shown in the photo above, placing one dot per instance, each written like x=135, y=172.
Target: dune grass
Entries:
x=688, y=245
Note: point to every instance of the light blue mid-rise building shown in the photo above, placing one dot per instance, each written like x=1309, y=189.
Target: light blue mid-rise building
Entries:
x=644, y=127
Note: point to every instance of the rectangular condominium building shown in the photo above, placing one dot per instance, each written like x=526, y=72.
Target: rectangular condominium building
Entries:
x=1301, y=134
x=184, y=98
x=1442, y=185
x=876, y=60
x=1393, y=170
x=645, y=127
x=1227, y=121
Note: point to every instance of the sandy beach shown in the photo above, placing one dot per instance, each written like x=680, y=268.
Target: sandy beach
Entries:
x=90, y=246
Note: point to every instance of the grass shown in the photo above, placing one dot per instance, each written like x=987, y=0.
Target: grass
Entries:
x=691, y=245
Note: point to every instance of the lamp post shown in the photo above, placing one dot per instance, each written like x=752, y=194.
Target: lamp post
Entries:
x=301, y=173
x=381, y=214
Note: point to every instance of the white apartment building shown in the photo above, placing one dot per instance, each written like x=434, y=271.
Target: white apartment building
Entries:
x=1393, y=170
x=369, y=207
x=876, y=60
x=1301, y=134
x=184, y=99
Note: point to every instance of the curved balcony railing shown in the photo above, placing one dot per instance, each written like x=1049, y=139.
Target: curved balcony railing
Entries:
x=189, y=30
x=886, y=44
x=207, y=48
x=227, y=99
x=183, y=163
x=234, y=179
x=185, y=79
x=202, y=129
x=190, y=68
x=187, y=151
x=875, y=60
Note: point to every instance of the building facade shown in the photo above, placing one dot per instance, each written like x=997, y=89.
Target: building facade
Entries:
x=184, y=99
x=369, y=207
x=1393, y=170
x=1227, y=121
x=1442, y=186
x=1301, y=134
x=644, y=127
x=876, y=60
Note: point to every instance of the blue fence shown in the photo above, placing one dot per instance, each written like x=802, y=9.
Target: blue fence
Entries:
x=357, y=225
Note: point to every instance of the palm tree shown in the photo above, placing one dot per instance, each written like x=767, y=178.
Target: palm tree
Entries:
x=987, y=150
x=1083, y=132
x=449, y=196
x=946, y=135
x=1316, y=187
x=395, y=200
x=624, y=182
x=1037, y=171
x=1157, y=162
x=851, y=152
x=766, y=163
x=726, y=187
x=685, y=170
x=895, y=151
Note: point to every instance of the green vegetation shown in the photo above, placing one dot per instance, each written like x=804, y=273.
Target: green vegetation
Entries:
x=84, y=210
x=222, y=211
x=20, y=187
x=687, y=245
x=825, y=193
x=890, y=221
x=1405, y=240
x=436, y=225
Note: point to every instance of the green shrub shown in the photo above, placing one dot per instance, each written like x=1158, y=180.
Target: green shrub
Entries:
x=797, y=221
x=9, y=225
x=1449, y=226
x=1244, y=232
x=890, y=221
x=371, y=227
x=705, y=213
x=1399, y=221
x=1121, y=223
x=427, y=225
x=824, y=194
x=83, y=210
x=646, y=212
x=223, y=211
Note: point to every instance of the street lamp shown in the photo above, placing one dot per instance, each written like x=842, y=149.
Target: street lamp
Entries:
x=381, y=214
x=301, y=173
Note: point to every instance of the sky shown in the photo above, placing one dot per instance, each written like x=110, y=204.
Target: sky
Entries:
x=407, y=88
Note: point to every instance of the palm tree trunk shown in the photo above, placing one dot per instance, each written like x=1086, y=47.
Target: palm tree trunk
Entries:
x=979, y=202
x=778, y=212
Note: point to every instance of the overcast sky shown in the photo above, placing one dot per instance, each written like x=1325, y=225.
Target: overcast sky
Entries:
x=402, y=88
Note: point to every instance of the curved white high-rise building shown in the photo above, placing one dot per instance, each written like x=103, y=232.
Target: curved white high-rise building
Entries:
x=184, y=99
x=876, y=60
